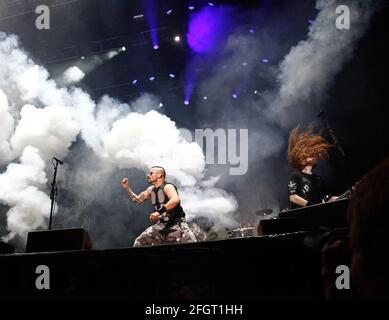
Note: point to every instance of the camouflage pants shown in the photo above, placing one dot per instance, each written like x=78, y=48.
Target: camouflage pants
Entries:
x=179, y=232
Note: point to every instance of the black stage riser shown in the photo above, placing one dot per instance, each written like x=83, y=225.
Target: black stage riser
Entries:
x=247, y=268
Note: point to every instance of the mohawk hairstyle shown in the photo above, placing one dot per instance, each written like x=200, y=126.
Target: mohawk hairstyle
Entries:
x=306, y=144
x=163, y=170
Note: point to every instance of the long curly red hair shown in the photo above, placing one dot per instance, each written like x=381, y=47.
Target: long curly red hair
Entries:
x=306, y=144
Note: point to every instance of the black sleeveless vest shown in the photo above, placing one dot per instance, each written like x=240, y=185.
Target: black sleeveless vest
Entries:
x=158, y=197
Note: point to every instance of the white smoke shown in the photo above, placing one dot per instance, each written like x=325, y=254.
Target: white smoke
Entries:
x=309, y=68
x=72, y=75
x=141, y=141
x=19, y=189
x=39, y=120
x=6, y=129
x=210, y=203
x=50, y=129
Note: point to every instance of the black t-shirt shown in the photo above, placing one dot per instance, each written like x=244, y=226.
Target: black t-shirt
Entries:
x=310, y=187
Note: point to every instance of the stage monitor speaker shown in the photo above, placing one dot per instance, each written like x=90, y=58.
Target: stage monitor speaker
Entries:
x=5, y=248
x=58, y=240
x=277, y=226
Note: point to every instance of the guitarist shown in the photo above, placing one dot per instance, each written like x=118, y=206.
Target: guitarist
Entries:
x=304, y=151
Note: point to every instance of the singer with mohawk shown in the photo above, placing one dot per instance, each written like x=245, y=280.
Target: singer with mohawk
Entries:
x=305, y=150
x=169, y=217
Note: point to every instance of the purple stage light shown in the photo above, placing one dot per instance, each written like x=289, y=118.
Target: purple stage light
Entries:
x=208, y=28
x=265, y=60
x=244, y=64
x=151, y=16
x=235, y=96
x=186, y=102
x=155, y=47
x=169, y=12
x=211, y=4
x=191, y=8
x=152, y=78
x=134, y=81
x=171, y=75
x=251, y=30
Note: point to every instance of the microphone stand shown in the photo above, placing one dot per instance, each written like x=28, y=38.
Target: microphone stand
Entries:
x=54, y=190
x=323, y=114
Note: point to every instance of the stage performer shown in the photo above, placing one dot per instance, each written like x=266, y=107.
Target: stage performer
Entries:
x=305, y=150
x=169, y=217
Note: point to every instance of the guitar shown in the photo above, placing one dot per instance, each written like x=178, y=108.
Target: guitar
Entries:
x=344, y=195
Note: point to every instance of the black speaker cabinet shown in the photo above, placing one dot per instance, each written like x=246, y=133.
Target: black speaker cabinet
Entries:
x=5, y=248
x=58, y=240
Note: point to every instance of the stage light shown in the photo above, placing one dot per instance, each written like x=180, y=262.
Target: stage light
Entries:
x=205, y=98
x=135, y=81
x=265, y=60
x=177, y=39
x=244, y=64
x=82, y=57
x=156, y=47
x=169, y=12
x=251, y=30
x=255, y=91
x=139, y=16
x=160, y=104
x=171, y=75
x=191, y=8
x=186, y=102
x=211, y=4
x=152, y=78
x=123, y=48
x=235, y=96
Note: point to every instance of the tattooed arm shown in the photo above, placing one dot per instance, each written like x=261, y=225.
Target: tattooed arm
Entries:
x=142, y=197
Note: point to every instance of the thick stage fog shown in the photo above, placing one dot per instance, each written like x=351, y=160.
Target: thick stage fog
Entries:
x=208, y=90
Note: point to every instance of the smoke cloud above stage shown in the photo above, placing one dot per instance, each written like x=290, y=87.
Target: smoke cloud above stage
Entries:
x=42, y=120
x=102, y=140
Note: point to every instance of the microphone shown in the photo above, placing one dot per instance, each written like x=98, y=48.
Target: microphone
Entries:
x=59, y=161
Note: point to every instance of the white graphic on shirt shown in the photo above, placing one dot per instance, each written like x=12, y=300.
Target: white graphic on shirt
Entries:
x=292, y=184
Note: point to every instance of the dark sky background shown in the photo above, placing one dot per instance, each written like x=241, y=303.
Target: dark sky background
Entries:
x=356, y=102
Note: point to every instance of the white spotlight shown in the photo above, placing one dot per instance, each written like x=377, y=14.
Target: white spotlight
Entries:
x=160, y=104
x=177, y=39
x=123, y=48
x=82, y=57
x=205, y=98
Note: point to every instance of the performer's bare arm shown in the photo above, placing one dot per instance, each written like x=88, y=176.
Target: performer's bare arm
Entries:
x=172, y=194
x=142, y=197
x=298, y=200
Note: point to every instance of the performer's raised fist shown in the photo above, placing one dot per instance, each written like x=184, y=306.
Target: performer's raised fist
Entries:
x=124, y=183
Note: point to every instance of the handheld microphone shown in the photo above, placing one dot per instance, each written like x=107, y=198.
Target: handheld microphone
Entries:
x=59, y=161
